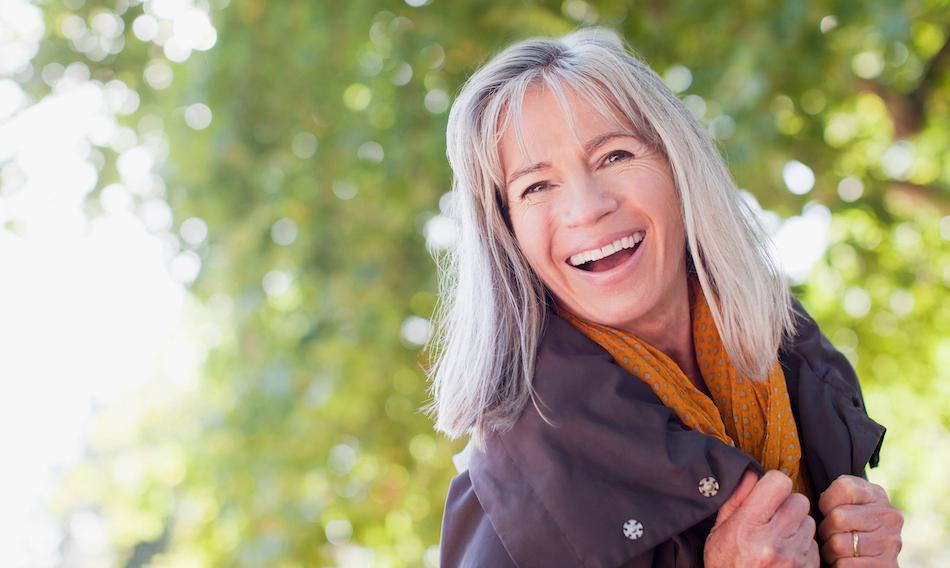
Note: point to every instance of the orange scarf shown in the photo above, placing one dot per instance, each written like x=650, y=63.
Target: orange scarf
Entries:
x=756, y=413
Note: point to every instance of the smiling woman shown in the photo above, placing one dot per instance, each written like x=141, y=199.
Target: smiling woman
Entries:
x=608, y=271
x=597, y=215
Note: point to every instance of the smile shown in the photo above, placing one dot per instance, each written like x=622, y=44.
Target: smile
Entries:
x=608, y=256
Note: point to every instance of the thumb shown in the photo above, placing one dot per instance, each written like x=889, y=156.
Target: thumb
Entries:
x=732, y=504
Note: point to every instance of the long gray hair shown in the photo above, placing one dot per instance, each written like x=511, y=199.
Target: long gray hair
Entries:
x=493, y=307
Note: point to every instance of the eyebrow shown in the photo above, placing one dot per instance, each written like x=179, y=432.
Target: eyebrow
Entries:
x=589, y=148
x=604, y=138
x=528, y=170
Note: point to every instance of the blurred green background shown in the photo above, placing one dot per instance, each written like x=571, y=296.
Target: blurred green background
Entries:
x=299, y=147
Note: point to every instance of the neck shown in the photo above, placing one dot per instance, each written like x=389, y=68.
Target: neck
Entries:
x=670, y=330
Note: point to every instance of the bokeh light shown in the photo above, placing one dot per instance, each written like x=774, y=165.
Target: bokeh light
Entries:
x=220, y=221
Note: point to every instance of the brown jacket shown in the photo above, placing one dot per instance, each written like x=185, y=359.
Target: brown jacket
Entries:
x=621, y=481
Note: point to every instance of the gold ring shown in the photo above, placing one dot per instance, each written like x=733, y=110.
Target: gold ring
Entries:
x=854, y=542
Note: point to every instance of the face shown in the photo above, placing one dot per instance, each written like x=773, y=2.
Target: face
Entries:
x=595, y=213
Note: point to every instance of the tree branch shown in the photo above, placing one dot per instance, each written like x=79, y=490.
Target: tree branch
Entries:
x=932, y=74
x=920, y=196
x=908, y=111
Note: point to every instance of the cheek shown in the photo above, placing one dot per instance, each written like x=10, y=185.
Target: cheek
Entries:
x=531, y=234
x=675, y=237
x=669, y=216
x=676, y=229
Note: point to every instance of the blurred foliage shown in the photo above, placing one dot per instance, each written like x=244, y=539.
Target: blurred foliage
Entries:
x=303, y=442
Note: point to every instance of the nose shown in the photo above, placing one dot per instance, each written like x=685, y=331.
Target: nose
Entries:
x=588, y=202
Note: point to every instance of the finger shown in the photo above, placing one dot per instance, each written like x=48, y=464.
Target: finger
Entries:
x=846, y=518
x=801, y=544
x=837, y=547
x=813, y=558
x=804, y=536
x=859, y=562
x=767, y=496
x=807, y=528
x=840, y=545
x=879, y=494
x=846, y=490
x=790, y=515
x=739, y=495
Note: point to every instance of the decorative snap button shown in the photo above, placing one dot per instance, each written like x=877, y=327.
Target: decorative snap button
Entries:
x=633, y=529
x=708, y=487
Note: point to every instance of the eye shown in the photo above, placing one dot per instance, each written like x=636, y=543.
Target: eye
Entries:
x=534, y=188
x=616, y=156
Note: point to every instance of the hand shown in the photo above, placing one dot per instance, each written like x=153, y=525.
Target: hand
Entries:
x=854, y=504
x=763, y=524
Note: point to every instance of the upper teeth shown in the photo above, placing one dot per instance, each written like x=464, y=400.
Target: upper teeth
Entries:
x=607, y=250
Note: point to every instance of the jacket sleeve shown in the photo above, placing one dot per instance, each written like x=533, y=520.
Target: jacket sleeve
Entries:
x=469, y=540
x=819, y=361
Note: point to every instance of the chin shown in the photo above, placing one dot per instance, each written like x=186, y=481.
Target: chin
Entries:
x=612, y=314
x=622, y=319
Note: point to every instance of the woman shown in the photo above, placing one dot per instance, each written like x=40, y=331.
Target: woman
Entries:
x=608, y=272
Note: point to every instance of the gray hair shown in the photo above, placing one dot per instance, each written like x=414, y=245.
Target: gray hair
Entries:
x=493, y=307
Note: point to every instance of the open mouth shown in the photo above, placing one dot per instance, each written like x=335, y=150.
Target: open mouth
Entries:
x=610, y=261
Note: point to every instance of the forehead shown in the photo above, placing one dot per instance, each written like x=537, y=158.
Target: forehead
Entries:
x=548, y=114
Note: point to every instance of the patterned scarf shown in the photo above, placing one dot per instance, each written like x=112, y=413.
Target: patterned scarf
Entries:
x=756, y=414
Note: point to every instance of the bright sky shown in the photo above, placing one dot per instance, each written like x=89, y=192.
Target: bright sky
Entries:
x=92, y=307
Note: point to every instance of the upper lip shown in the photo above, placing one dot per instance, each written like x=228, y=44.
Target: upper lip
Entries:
x=603, y=241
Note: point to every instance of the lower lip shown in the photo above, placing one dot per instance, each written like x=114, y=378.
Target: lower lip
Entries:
x=616, y=273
